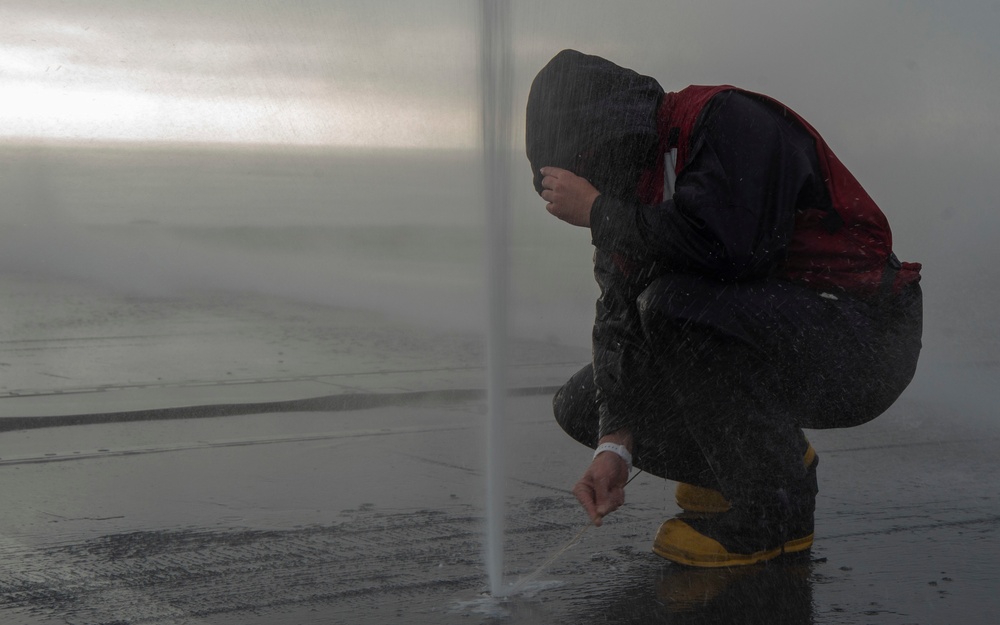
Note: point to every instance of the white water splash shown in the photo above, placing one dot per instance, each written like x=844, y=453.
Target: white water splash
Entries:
x=497, y=605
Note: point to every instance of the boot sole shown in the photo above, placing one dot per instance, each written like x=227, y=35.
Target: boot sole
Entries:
x=679, y=542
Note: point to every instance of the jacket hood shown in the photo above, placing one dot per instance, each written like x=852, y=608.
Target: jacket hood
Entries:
x=579, y=101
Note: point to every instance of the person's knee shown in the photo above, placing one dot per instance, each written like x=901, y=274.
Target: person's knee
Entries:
x=575, y=407
x=559, y=408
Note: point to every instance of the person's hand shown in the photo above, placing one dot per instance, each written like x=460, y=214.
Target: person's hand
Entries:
x=569, y=196
x=601, y=490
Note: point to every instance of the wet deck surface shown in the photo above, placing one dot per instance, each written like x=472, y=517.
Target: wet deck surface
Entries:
x=376, y=515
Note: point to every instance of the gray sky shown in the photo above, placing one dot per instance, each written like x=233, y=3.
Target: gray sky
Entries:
x=393, y=73
x=274, y=72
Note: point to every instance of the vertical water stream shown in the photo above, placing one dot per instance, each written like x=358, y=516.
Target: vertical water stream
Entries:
x=495, y=94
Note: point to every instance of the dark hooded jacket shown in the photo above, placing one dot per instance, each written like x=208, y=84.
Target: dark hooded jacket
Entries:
x=730, y=218
x=580, y=103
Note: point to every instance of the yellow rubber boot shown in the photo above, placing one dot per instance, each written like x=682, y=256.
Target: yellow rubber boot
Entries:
x=678, y=541
x=691, y=498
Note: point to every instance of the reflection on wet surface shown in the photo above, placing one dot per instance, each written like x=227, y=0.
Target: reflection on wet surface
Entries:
x=775, y=593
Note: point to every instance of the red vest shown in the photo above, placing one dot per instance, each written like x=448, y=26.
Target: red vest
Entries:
x=849, y=250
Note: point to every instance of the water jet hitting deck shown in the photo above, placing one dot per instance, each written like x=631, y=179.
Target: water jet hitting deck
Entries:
x=495, y=93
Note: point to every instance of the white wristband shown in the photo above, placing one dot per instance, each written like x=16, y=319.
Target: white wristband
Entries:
x=621, y=450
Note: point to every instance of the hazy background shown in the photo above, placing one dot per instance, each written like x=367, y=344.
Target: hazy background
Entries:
x=327, y=150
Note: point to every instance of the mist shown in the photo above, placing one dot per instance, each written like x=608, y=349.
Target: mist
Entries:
x=313, y=225
x=328, y=151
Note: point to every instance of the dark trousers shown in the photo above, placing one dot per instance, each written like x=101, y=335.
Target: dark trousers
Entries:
x=742, y=368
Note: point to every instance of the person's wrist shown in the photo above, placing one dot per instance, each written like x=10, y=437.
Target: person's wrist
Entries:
x=620, y=450
x=618, y=437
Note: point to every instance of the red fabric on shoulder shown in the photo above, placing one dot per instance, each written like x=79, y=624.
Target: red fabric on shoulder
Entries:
x=852, y=257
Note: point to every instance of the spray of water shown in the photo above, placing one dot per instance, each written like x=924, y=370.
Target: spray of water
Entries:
x=495, y=90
